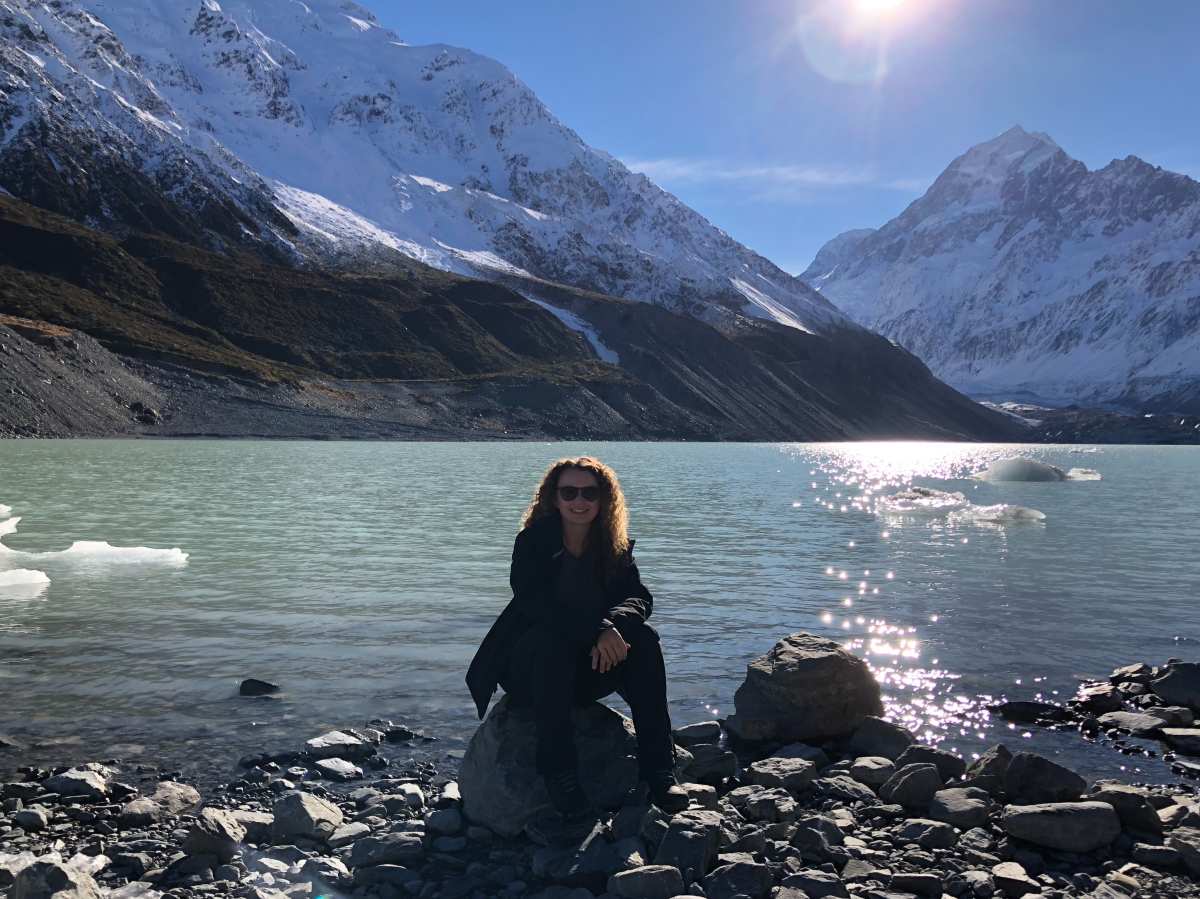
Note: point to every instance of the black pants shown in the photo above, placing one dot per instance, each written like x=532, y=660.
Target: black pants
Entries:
x=551, y=675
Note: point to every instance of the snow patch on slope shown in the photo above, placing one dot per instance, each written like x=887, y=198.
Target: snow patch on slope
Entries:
x=575, y=323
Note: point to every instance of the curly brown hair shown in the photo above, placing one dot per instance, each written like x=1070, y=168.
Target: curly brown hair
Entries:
x=609, y=530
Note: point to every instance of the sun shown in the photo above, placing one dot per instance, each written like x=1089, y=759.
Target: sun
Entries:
x=877, y=8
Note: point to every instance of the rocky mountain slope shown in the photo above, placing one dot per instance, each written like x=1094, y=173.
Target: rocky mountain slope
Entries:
x=1020, y=274
x=309, y=130
x=280, y=218
x=149, y=335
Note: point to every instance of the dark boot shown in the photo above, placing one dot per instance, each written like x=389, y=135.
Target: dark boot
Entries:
x=566, y=794
x=666, y=793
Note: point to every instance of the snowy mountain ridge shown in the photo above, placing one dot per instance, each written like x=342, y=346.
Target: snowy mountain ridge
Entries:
x=309, y=129
x=1020, y=274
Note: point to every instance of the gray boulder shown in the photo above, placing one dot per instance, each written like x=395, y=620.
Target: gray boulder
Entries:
x=813, y=754
x=1183, y=739
x=949, y=765
x=32, y=819
x=964, y=807
x=1140, y=724
x=710, y=763
x=215, y=832
x=1180, y=685
x=815, y=884
x=397, y=848
x=913, y=786
x=805, y=688
x=140, y=813
x=872, y=770
x=1132, y=805
x=502, y=791
x=647, y=882
x=302, y=814
x=80, y=781
x=701, y=732
x=339, y=745
x=1065, y=826
x=993, y=763
x=741, y=878
x=257, y=824
x=1186, y=841
x=928, y=834
x=792, y=774
x=874, y=736
x=52, y=880
x=1032, y=779
x=1012, y=880
x=175, y=798
x=1099, y=698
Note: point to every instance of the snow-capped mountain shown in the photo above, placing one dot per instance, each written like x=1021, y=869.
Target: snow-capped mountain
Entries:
x=1022, y=274
x=307, y=129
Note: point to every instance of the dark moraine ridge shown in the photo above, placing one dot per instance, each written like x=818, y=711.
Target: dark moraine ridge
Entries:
x=141, y=334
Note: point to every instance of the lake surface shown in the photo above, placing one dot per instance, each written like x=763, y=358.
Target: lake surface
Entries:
x=361, y=577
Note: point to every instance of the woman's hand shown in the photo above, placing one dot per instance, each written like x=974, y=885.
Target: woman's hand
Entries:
x=610, y=650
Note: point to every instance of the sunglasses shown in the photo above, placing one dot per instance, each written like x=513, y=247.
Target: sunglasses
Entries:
x=591, y=494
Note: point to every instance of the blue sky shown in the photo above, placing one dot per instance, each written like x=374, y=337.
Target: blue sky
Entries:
x=786, y=123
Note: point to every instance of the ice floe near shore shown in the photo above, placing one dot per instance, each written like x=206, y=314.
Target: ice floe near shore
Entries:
x=1001, y=513
x=920, y=501
x=88, y=551
x=1021, y=470
x=1033, y=470
x=21, y=577
x=929, y=502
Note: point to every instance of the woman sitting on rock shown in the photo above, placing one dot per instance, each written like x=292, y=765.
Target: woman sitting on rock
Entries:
x=575, y=631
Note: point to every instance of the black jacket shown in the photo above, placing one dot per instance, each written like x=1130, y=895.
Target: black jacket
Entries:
x=536, y=559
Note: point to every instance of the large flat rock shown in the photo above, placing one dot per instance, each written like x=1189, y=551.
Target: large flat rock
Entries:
x=1066, y=826
x=502, y=791
x=805, y=688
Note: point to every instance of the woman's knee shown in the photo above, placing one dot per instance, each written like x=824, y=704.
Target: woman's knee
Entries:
x=636, y=631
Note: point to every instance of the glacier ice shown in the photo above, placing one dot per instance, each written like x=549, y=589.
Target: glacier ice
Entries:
x=920, y=501
x=1083, y=474
x=1001, y=513
x=91, y=551
x=20, y=577
x=1021, y=470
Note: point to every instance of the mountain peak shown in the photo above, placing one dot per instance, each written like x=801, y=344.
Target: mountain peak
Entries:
x=1000, y=153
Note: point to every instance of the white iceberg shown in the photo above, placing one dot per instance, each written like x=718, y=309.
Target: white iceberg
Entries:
x=20, y=577
x=1001, y=513
x=1021, y=470
x=91, y=551
x=920, y=501
x=1083, y=474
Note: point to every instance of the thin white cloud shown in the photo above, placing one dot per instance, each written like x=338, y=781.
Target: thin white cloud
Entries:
x=763, y=178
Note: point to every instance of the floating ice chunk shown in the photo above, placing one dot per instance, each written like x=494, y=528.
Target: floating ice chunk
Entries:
x=1083, y=474
x=1086, y=449
x=920, y=501
x=20, y=577
x=1021, y=470
x=92, y=550
x=1001, y=513
x=23, y=583
x=5, y=511
x=103, y=551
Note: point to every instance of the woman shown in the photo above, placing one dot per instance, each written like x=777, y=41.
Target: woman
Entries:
x=575, y=631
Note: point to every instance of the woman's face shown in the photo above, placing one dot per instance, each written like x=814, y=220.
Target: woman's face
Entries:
x=578, y=510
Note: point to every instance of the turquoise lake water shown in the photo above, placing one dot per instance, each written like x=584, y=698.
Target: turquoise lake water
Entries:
x=361, y=576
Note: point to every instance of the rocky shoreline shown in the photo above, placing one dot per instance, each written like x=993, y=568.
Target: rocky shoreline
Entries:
x=851, y=811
